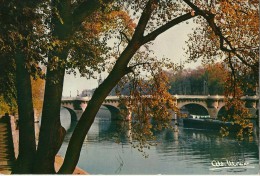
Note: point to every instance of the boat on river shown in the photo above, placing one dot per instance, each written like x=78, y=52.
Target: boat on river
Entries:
x=208, y=124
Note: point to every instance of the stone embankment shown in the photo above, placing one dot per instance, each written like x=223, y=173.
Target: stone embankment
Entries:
x=59, y=161
x=7, y=156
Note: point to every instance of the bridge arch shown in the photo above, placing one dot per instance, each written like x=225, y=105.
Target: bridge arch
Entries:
x=73, y=114
x=222, y=112
x=195, y=108
x=182, y=104
x=114, y=111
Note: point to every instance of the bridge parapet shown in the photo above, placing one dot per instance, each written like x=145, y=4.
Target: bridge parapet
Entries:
x=201, y=97
x=255, y=97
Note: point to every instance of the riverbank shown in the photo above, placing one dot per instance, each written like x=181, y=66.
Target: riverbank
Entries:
x=58, y=162
x=58, y=159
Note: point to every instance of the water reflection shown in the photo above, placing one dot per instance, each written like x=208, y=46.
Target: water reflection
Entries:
x=183, y=151
x=207, y=144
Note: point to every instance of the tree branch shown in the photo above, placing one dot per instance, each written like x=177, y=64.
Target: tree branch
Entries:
x=233, y=82
x=151, y=36
x=130, y=68
x=210, y=19
x=128, y=40
x=146, y=15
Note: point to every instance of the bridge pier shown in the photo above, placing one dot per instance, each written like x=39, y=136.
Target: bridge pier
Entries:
x=129, y=114
x=213, y=112
x=78, y=114
x=252, y=112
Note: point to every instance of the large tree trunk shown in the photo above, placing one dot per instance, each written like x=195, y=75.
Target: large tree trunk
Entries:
x=51, y=131
x=27, y=146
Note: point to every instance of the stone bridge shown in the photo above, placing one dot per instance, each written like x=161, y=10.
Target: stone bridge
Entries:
x=200, y=104
x=77, y=105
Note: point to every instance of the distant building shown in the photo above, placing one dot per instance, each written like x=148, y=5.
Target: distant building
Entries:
x=90, y=92
x=87, y=93
x=100, y=80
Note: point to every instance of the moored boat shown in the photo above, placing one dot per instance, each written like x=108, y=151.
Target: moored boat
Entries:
x=208, y=124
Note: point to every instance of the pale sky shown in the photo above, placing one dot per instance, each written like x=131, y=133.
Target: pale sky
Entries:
x=170, y=44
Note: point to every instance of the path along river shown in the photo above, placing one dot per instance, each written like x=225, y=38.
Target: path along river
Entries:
x=187, y=151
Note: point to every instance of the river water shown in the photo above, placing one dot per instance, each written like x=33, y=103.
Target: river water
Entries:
x=187, y=151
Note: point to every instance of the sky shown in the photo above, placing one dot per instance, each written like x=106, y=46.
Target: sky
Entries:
x=170, y=44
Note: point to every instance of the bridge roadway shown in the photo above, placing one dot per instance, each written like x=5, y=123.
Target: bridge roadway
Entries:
x=211, y=103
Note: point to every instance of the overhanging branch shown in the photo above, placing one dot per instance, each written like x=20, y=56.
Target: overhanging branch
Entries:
x=122, y=33
x=210, y=19
x=140, y=28
x=151, y=36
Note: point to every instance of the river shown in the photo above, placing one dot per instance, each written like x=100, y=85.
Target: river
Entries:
x=187, y=151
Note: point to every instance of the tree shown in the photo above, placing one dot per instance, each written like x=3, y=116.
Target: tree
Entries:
x=24, y=45
x=232, y=36
x=6, y=107
x=68, y=45
x=207, y=79
x=229, y=37
x=17, y=38
x=216, y=74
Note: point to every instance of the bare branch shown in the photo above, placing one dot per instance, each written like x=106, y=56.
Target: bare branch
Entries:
x=140, y=28
x=130, y=68
x=122, y=33
x=151, y=36
x=233, y=82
